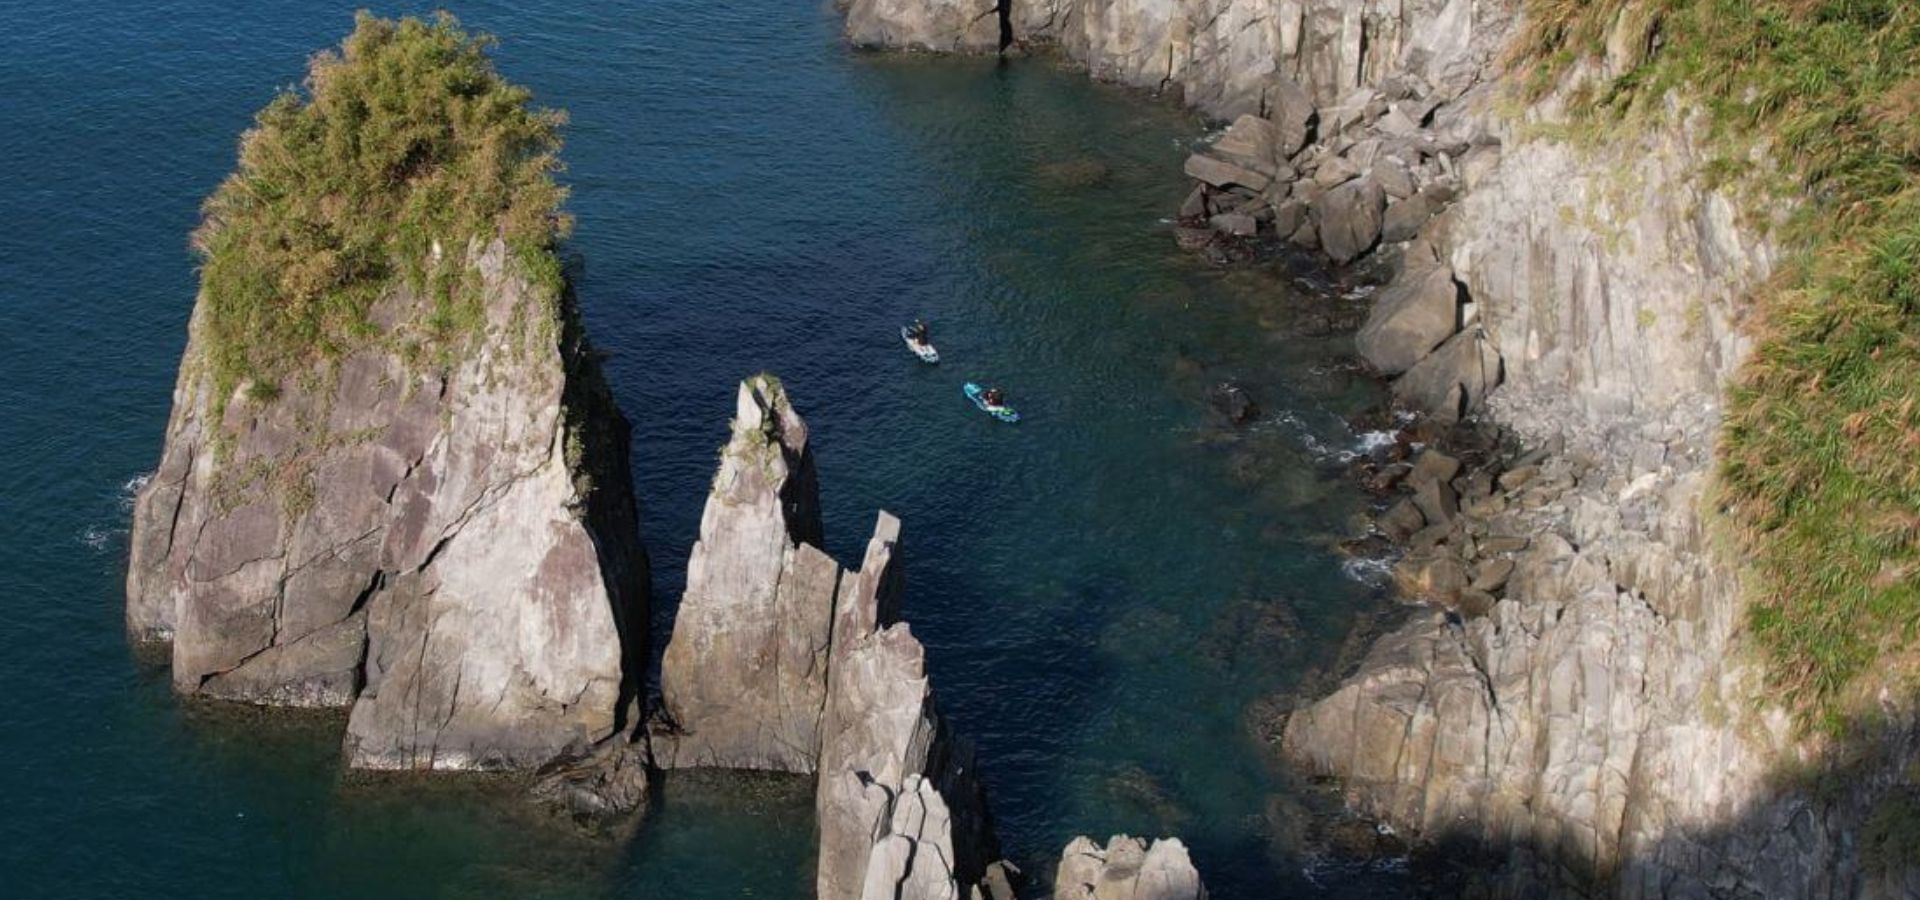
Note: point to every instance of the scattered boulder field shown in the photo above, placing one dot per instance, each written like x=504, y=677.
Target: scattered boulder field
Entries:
x=1344, y=180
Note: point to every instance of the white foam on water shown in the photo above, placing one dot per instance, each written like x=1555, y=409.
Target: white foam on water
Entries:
x=1370, y=571
x=131, y=489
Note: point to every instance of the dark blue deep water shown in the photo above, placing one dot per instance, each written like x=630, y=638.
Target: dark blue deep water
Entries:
x=1104, y=589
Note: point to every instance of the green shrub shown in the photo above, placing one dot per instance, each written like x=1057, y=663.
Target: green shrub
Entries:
x=1821, y=451
x=404, y=139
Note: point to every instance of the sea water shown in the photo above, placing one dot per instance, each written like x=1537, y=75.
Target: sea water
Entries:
x=1105, y=589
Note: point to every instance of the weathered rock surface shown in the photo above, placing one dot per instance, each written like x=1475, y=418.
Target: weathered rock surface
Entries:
x=1228, y=57
x=452, y=552
x=604, y=788
x=1585, y=709
x=898, y=799
x=744, y=678
x=1127, y=869
x=1454, y=379
x=1410, y=318
x=949, y=26
x=1349, y=218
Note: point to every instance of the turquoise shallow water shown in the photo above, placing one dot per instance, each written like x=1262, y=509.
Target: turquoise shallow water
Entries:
x=1103, y=588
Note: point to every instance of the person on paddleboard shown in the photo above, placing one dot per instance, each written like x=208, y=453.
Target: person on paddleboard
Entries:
x=918, y=332
x=994, y=398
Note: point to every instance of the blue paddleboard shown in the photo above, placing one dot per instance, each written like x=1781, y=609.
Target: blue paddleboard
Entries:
x=1003, y=413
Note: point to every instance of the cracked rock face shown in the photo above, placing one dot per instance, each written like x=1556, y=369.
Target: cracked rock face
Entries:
x=898, y=799
x=451, y=552
x=1127, y=869
x=744, y=679
x=1229, y=57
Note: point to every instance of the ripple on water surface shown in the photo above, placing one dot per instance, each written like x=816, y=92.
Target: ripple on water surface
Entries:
x=1103, y=589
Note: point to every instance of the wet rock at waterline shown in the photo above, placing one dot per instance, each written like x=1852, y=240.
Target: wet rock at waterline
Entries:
x=743, y=680
x=1339, y=185
x=451, y=553
x=946, y=26
x=1128, y=868
x=604, y=788
x=1231, y=402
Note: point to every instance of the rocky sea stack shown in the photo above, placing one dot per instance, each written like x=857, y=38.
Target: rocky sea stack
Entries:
x=394, y=478
x=782, y=661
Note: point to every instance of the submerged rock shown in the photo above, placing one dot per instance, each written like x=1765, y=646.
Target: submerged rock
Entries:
x=1233, y=403
x=603, y=788
x=744, y=678
x=1127, y=868
x=452, y=552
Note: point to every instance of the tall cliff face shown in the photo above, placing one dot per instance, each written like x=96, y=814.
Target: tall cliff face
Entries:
x=1599, y=725
x=1223, y=54
x=452, y=553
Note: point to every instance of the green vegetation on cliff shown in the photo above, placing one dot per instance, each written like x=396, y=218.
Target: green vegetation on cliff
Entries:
x=1821, y=450
x=404, y=147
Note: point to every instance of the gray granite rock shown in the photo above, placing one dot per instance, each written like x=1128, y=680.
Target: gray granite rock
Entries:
x=452, y=552
x=1127, y=869
x=1349, y=218
x=1410, y=317
x=893, y=775
x=744, y=677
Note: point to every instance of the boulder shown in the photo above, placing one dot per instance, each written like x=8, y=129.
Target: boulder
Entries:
x=1334, y=171
x=744, y=677
x=1195, y=205
x=1233, y=403
x=1348, y=218
x=1192, y=239
x=1405, y=218
x=1491, y=575
x=1437, y=501
x=1127, y=868
x=1433, y=466
x=1255, y=143
x=1291, y=109
x=1288, y=216
x=1394, y=177
x=1412, y=316
x=604, y=788
x=1221, y=173
x=1435, y=575
x=1454, y=380
x=1401, y=520
x=1235, y=224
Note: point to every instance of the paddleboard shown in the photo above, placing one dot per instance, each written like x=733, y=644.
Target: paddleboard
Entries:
x=1003, y=413
x=925, y=351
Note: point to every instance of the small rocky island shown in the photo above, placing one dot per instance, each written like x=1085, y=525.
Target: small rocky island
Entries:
x=395, y=482
x=394, y=479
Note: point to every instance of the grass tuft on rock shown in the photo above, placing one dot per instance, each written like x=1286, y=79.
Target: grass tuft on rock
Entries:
x=1820, y=463
x=404, y=147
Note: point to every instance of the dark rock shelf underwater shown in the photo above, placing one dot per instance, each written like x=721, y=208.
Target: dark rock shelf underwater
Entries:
x=1104, y=590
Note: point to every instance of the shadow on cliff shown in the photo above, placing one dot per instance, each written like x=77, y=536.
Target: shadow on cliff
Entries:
x=1843, y=824
x=611, y=508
